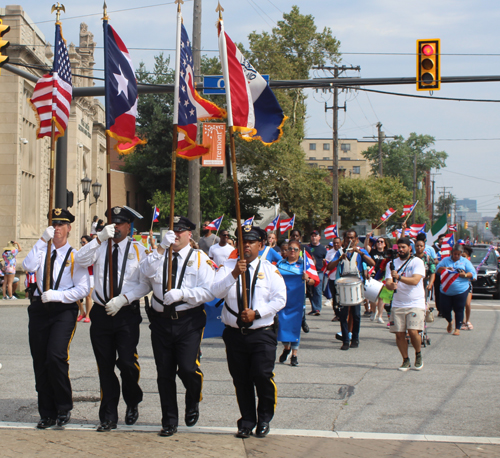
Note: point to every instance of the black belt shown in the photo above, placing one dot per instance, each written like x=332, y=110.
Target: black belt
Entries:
x=246, y=331
x=133, y=306
x=177, y=313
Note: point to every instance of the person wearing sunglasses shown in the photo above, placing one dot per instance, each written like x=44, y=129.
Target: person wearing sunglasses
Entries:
x=221, y=251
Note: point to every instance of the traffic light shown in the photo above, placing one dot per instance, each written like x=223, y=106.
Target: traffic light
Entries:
x=487, y=225
x=428, y=65
x=466, y=225
x=3, y=43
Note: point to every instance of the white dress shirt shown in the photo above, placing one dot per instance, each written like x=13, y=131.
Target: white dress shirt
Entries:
x=134, y=285
x=198, y=277
x=74, y=287
x=268, y=299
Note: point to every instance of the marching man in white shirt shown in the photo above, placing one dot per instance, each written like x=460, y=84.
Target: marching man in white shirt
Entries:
x=52, y=318
x=250, y=334
x=114, y=331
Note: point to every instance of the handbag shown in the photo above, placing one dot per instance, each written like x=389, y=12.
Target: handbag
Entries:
x=429, y=316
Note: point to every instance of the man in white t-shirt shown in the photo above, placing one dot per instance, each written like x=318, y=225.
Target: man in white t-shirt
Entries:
x=405, y=277
x=220, y=251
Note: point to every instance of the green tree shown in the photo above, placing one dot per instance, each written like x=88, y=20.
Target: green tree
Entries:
x=495, y=227
x=398, y=157
x=445, y=204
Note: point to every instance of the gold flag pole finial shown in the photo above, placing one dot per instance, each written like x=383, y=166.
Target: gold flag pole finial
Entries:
x=219, y=9
x=58, y=8
x=179, y=3
x=105, y=16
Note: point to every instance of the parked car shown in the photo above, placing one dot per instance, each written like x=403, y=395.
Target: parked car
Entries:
x=488, y=276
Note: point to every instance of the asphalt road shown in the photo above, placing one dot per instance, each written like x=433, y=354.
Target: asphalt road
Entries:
x=456, y=394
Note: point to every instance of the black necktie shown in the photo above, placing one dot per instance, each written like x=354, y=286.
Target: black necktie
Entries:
x=175, y=263
x=52, y=260
x=248, y=282
x=115, y=270
x=239, y=321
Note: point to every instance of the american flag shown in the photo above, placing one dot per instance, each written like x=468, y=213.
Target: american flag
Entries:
x=273, y=224
x=310, y=268
x=452, y=228
x=286, y=224
x=388, y=214
x=53, y=92
x=447, y=278
x=407, y=209
x=215, y=224
x=191, y=107
x=331, y=232
x=416, y=229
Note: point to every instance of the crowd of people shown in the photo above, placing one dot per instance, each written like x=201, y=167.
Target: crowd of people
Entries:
x=262, y=299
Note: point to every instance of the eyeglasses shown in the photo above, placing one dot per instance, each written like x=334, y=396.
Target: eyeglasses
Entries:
x=380, y=241
x=293, y=249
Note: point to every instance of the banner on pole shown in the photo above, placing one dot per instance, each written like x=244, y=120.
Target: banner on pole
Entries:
x=214, y=134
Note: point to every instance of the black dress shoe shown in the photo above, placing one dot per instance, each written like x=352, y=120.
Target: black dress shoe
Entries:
x=345, y=346
x=355, y=344
x=244, y=433
x=63, y=417
x=106, y=426
x=262, y=429
x=45, y=422
x=305, y=326
x=192, y=415
x=131, y=415
x=168, y=430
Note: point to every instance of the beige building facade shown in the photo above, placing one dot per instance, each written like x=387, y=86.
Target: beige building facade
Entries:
x=319, y=153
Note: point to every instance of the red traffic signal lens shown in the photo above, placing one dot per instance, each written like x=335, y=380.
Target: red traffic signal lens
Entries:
x=427, y=50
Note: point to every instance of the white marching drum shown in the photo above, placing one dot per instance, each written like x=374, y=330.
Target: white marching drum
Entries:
x=373, y=289
x=349, y=291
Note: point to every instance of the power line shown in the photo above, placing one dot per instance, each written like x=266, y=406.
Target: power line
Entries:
x=469, y=176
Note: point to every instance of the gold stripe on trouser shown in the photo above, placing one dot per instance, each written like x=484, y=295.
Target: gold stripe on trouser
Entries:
x=136, y=364
x=198, y=360
x=69, y=343
x=275, y=392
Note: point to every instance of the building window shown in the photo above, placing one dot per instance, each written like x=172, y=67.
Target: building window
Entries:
x=345, y=147
x=356, y=169
x=345, y=158
x=326, y=158
x=326, y=146
x=313, y=165
x=312, y=158
x=312, y=146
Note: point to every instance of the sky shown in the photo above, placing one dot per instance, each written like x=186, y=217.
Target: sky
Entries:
x=380, y=37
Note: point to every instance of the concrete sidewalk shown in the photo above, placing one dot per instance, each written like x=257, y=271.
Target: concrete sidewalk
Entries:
x=279, y=444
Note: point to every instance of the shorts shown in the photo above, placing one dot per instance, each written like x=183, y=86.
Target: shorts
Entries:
x=405, y=318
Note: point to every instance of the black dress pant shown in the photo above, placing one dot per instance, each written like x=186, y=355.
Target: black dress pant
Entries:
x=51, y=328
x=176, y=346
x=355, y=311
x=113, y=336
x=437, y=292
x=250, y=359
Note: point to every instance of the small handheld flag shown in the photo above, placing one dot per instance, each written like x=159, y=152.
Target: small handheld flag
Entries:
x=416, y=229
x=388, y=214
x=273, y=225
x=249, y=221
x=156, y=214
x=215, y=224
x=331, y=232
x=452, y=228
x=310, y=268
x=407, y=209
x=286, y=224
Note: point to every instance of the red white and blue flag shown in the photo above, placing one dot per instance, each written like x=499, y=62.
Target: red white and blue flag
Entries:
x=190, y=108
x=447, y=279
x=310, y=268
x=286, y=224
x=252, y=108
x=416, y=229
x=407, y=209
x=156, y=213
x=452, y=228
x=53, y=92
x=388, y=214
x=273, y=225
x=448, y=242
x=215, y=224
x=121, y=92
x=249, y=221
x=331, y=231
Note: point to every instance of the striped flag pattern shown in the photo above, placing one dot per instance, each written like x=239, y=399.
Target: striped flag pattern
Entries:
x=388, y=214
x=215, y=224
x=407, y=209
x=447, y=279
x=452, y=228
x=310, y=268
x=331, y=232
x=273, y=225
x=415, y=229
x=286, y=224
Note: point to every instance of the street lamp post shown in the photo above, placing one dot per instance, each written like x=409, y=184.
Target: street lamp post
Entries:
x=96, y=190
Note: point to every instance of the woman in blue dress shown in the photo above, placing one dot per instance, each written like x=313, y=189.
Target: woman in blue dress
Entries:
x=455, y=272
x=290, y=318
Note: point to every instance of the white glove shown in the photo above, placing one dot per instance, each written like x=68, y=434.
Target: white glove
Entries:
x=168, y=239
x=52, y=296
x=174, y=295
x=107, y=233
x=48, y=234
x=115, y=304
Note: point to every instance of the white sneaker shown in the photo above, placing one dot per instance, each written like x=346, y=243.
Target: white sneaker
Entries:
x=13, y=298
x=372, y=316
x=0, y=365
x=380, y=320
x=328, y=303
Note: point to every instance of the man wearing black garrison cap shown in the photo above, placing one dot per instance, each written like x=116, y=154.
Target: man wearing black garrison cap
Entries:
x=52, y=318
x=114, y=332
x=177, y=320
x=250, y=334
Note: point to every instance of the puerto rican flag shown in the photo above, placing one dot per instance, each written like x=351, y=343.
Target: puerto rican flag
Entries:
x=447, y=278
x=286, y=224
x=448, y=242
x=416, y=229
x=407, y=209
x=388, y=214
x=215, y=224
x=156, y=213
x=331, y=232
x=452, y=228
x=273, y=225
x=121, y=92
x=310, y=268
x=249, y=221
x=252, y=108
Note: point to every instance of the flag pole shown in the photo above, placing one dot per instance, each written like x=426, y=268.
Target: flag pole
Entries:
x=225, y=72
x=108, y=149
x=153, y=219
x=385, y=221
x=174, y=137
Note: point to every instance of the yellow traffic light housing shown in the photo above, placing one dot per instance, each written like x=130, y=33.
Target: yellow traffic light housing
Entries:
x=429, y=65
x=487, y=225
x=466, y=225
x=3, y=43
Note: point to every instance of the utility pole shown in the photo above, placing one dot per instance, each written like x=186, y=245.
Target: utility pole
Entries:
x=414, y=185
x=447, y=205
x=194, y=166
x=380, y=140
x=433, y=184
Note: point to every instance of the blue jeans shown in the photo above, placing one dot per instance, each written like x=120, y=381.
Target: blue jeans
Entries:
x=317, y=295
x=455, y=303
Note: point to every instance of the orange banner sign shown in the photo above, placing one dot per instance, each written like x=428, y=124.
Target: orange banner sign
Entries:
x=214, y=134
